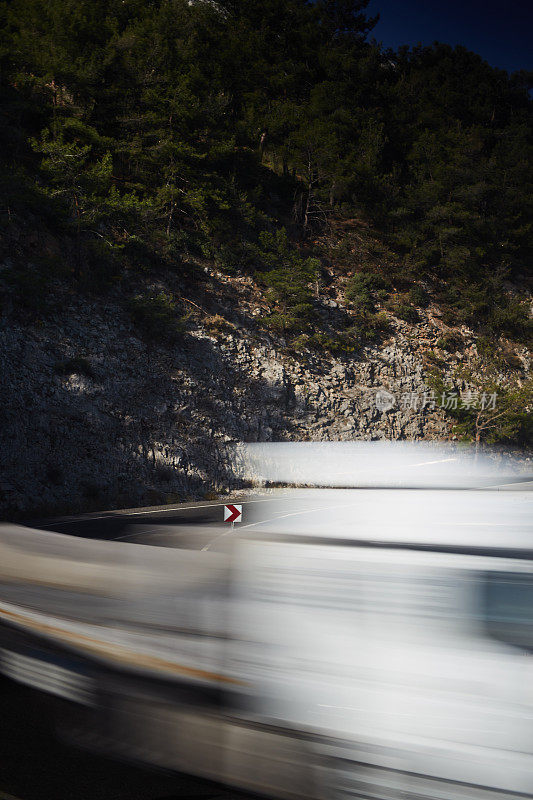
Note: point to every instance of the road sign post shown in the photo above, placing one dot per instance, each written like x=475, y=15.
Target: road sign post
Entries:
x=233, y=514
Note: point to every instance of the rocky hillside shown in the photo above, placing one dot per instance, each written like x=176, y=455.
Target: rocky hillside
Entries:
x=248, y=221
x=96, y=416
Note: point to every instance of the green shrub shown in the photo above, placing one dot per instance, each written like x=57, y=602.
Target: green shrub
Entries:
x=379, y=323
x=403, y=310
x=157, y=316
x=302, y=342
x=488, y=309
x=337, y=345
x=418, y=297
x=283, y=322
x=360, y=299
x=361, y=285
x=357, y=292
x=503, y=354
x=288, y=278
x=368, y=327
x=450, y=342
x=510, y=316
x=230, y=259
x=289, y=286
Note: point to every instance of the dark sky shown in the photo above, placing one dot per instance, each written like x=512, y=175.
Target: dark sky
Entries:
x=501, y=31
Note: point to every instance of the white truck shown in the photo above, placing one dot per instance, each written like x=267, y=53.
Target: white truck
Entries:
x=378, y=647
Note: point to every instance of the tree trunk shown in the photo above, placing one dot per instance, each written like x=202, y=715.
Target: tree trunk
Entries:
x=477, y=443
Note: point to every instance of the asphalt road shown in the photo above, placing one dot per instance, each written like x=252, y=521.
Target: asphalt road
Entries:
x=188, y=525
x=199, y=525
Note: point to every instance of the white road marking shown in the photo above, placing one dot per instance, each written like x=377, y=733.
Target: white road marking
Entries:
x=426, y=463
x=514, y=483
x=188, y=508
x=164, y=510
x=273, y=519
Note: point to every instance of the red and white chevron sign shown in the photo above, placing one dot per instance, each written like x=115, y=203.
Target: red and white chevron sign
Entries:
x=232, y=513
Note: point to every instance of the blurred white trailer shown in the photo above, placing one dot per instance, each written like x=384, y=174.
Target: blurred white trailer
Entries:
x=381, y=648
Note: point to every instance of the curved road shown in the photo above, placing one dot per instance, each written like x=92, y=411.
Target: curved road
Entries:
x=192, y=525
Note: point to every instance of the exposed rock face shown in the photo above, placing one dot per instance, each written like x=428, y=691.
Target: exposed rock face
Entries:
x=126, y=423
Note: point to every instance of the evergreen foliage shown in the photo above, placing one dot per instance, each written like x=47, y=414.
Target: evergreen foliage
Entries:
x=500, y=407
x=145, y=132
